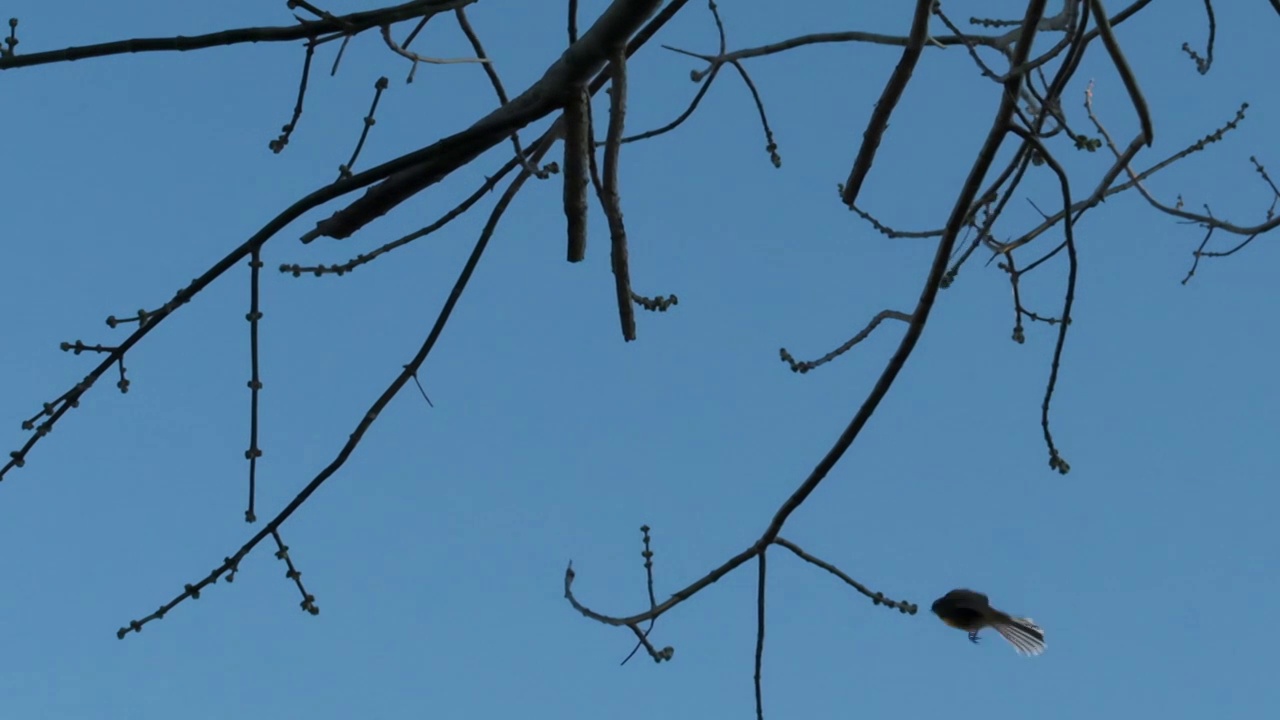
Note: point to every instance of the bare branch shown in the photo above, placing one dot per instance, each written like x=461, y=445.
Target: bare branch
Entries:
x=345, y=25
x=416, y=171
x=408, y=372
x=286, y=132
x=609, y=195
x=1000, y=127
x=577, y=155
x=647, y=554
x=889, y=98
x=876, y=597
x=760, y=582
x=1204, y=63
x=1056, y=460
x=379, y=87
x=416, y=58
x=863, y=334
x=1126, y=73
x=255, y=379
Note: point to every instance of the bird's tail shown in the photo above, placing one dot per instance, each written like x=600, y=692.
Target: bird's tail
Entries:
x=1024, y=634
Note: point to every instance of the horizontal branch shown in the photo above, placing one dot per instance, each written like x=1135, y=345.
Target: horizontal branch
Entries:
x=306, y=29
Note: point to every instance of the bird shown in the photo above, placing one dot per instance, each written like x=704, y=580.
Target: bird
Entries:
x=970, y=611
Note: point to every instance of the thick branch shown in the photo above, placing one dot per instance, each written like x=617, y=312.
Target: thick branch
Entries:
x=893, y=90
x=583, y=60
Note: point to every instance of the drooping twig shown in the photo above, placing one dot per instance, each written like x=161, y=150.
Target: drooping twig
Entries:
x=278, y=144
x=876, y=597
x=807, y=365
x=610, y=197
x=1056, y=461
x=282, y=553
x=705, y=78
x=1204, y=63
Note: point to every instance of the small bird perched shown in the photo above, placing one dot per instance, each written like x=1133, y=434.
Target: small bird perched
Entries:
x=970, y=611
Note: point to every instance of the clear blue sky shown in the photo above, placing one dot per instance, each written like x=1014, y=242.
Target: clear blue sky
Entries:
x=437, y=554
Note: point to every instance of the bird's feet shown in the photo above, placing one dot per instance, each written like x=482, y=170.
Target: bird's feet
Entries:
x=973, y=636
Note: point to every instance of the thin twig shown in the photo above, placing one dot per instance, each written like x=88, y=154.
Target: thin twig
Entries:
x=286, y=132
x=760, y=584
x=1204, y=63
x=416, y=58
x=255, y=379
x=807, y=365
x=647, y=554
x=1056, y=461
x=876, y=597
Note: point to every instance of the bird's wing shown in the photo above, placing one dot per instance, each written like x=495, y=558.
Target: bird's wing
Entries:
x=968, y=596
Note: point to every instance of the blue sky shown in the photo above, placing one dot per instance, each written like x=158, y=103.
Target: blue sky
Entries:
x=437, y=553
